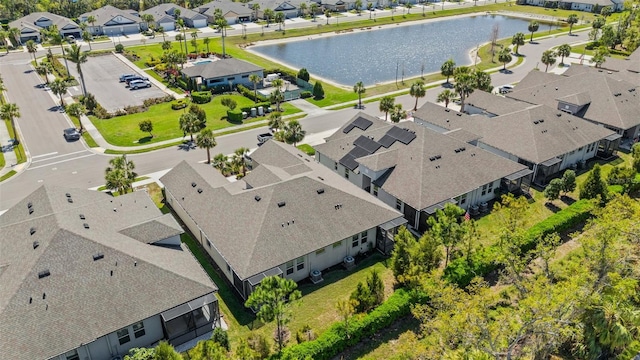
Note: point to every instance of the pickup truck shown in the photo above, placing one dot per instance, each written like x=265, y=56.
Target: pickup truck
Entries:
x=262, y=138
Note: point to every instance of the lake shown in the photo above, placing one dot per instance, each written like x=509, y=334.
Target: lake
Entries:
x=376, y=56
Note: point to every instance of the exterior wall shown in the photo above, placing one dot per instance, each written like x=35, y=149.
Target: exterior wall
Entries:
x=431, y=126
x=499, y=152
x=373, y=175
x=472, y=110
x=173, y=241
x=584, y=153
x=570, y=108
x=632, y=133
x=385, y=197
x=168, y=25
x=242, y=78
x=116, y=30
x=581, y=7
x=199, y=23
x=356, y=179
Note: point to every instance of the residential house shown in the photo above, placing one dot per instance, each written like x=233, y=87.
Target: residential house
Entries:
x=593, y=96
x=579, y=5
x=222, y=72
x=85, y=275
x=415, y=169
x=165, y=15
x=112, y=21
x=627, y=69
x=233, y=12
x=289, y=216
x=544, y=139
x=32, y=25
x=290, y=8
x=335, y=5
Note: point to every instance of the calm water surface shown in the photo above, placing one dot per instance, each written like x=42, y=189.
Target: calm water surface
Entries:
x=374, y=56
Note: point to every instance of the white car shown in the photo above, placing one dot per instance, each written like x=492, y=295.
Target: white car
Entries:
x=139, y=84
x=505, y=89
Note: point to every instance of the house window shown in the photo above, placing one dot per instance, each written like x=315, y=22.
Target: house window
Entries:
x=337, y=244
x=363, y=237
x=290, y=267
x=335, y=165
x=462, y=199
x=72, y=355
x=245, y=76
x=398, y=204
x=354, y=241
x=138, y=329
x=484, y=190
x=319, y=251
x=300, y=263
x=346, y=173
x=490, y=188
x=375, y=190
x=123, y=336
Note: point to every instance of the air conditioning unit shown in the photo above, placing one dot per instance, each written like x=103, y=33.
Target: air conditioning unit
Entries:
x=349, y=262
x=316, y=276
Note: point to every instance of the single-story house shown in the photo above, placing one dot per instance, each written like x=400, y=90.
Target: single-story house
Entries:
x=85, y=275
x=335, y=5
x=289, y=216
x=544, y=139
x=233, y=12
x=415, y=169
x=223, y=72
x=593, y=96
x=290, y=8
x=31, y=25
x=580, y=5
x=165, y=15
x=112, y=21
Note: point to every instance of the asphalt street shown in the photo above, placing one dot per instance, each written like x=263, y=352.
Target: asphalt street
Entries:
x=56, y=162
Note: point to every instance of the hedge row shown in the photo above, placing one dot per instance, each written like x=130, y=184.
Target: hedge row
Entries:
x=234, y=116
x=460, y=272
x=334, y=340
x=201, y=97
x=248, y=93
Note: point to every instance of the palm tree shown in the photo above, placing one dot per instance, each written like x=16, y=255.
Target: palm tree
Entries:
x=206, y=42
x=9, y=112
x=504, y=56
x=255, y=80
x=14, y=33
x=221, y=162
x=77, y=110
x=464, y=87
x=293, y=132
x=446, y=96
x=221, y=24
x=447, y=68
x=79, y=57
x=397, y=113
x=166, y=45
x=120, y=175
x=59, y=87
x=86, y=36
x=181, y=24
x=275, y=121
x=92, y=20
x=44, y=69
x=3, y=38
x=327, y=14
x=57, y=39
x=358, y=6
x=482, y=81
x=359, y=89
x=240, y=160
x=147, y=18
x=255, y=8
x=206, y=140
x=572, y=19
x=314, y=9
x=386, y=105
x=533, y=27
x=417, y=90
x=548, y=58
x=303, y=9
x=189, y=123
x=370, y=8
x=517, y=40
x=268, y=15
x=32, y=48
x=279, y=19
x=563, y=50
x=277, y=96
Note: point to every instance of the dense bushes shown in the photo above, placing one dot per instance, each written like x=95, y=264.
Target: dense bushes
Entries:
x=234, y=116
x=334, y=340
x=460, y=272
x=201, y=97
x=179, y=104
x=119, y=48
x=249, y=93
x=306, y=94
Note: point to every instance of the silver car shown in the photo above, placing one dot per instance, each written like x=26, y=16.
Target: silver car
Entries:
x=139, y=84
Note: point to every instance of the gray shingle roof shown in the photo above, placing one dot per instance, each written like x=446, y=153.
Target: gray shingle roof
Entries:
x=153, y=230
x=494, y=104
x=613, y=102
x=249, y=233
x=226, y=7
x=89, y=297
x=416, y=179
x=29, y=21
x=221, y=68
x=169, y=9
x=106, y=13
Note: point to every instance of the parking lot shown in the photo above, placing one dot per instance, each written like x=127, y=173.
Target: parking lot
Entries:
x=101, y=74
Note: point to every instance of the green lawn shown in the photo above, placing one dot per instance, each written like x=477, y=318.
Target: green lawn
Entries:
x=18, y=150
x=1, y=160
x=7, y=175
x=124, y=130
x=581, y=49
x=306, y=148
x=85, y=135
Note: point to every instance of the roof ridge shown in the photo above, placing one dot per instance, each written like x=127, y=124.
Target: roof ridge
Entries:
x=262, y=225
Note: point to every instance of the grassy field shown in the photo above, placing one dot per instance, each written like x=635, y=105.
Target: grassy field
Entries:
x=7, y=175
x=581, y=49
x=85, y=135
x=18, y=150
x=124, y=130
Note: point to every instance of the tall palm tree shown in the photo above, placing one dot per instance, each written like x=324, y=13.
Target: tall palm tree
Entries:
x=147, y=19
x=446, y=96
x=206, y=42
x=14, y=33
x=314, y=9
x=255, y=80
x=32, y=48
x=221, y=162
x=504, y=56
x=57, y=39
x=3, y=38
x=44, y=69
x=533, y=27
x=386, y=105
x=276, y=95
x=9, y=112
x=447, y=68
x=240, y=160
x=181, y=25
x=517, y=40
x=268, y=15
x=571, y=20
x=189, y=123
x=417, y=90
x=293, y=132
x=464, y=87
x=255, y=7
x=86, y=37
x=206, y=140
x=279, y=19
x=397, y=113
x=79, y=57
x=221, y=24
x=92, y=20
x=564, y=50
x=120, y=175
x=548, y=58
x=359, y=89
x=59, y=87
x=275, y=121
x=303, y=9
x=77, y=110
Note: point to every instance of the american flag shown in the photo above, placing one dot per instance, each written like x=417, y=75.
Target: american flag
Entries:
x=467, y=216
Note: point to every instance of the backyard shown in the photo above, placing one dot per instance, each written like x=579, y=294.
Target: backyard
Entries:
x=124, y=130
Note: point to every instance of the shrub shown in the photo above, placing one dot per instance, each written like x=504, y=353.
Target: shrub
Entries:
x=119, y=48
x=152, y=62
x=182, y=83
x=101, y=113
x=201, y=97
x=221, y=337
x=318, y=91
x=198, y=112
x=179, y=104
x=134, y=109
x=303, y=74
x=248, y=93
x=158, y=100
x=306, y=94
x=234, y=116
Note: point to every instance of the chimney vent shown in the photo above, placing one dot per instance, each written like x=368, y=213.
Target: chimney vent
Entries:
x=257, y=198
x=199, y=191
x=32, y=231
x=67, y=195
x=98, y=256
x=86, y=226
x=36, y=244
x=82, y=217
x=43, y=274
x=29, y=205
x=69, y=200
x=193, y=184
x=30, y=211
x=281, y=204
x=320, y=191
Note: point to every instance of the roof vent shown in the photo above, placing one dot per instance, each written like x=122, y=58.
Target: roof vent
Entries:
x=98, y=256
x=44, y=296
x=86, y=226
x=36, y=244
x=447, y=110
x=438, y=157
x=43, y=274
x=67, y=195
x=459, y=114
x=32, y=231
x=30, y=204
x=30, y=299
x=321, y=178
x=193, y=184
x=115, y=209
x=535, y=122
x=199, y=191
x=437, y=166
x=432, y=158
x=257, y=198
x=541, y=121
x=457, y=150
x=281, y=204
x=560, y=114
x=320, y=191
x=82, y=217
x=30, y=211
x=70, y=200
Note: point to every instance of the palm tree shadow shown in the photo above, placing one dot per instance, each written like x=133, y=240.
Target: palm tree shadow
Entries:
x=28, y=71
x=145, y=139
x=187, y=146
x=447, y=85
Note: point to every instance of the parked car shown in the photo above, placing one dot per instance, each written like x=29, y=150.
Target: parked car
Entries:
x=505, y=89
x=134, y=78
x=139, y=84
x=71, y=134
x=124, y=77
x=71, y=39
x=263, y=138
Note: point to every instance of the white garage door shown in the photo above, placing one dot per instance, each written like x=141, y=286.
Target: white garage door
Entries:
x=199, y=23
x=168, y=26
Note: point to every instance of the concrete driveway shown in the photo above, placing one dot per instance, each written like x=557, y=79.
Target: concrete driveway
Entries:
x=102, y=77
